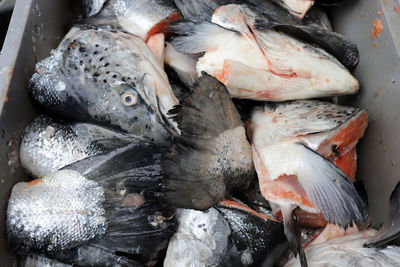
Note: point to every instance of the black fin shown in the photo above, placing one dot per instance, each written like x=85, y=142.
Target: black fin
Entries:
x=333, y=43
x=95, y=255
x=329, y=189
x=252, y=235
x=329, y=2
x=317, y=15
x=212, y=156
x=138, y=223
x=391, y=229
x=292, y=233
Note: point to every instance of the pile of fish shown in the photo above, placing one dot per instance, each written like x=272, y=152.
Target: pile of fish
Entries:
x=142, y=157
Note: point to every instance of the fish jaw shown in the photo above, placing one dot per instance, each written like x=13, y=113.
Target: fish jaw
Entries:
x=298, y=7
x=144, y=18
x=59, y=212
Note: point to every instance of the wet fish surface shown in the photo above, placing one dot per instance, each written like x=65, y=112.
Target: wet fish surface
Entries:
x=295, y=148
x=212, y=157
x=314, y=28
x=48, y=145
x=230, y=234
x=142, y=18
x=103, y=210
x=108, y=78
x=261, y=64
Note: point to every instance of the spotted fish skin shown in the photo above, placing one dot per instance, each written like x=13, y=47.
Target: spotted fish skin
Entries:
x=48, y=145
x=108, y=78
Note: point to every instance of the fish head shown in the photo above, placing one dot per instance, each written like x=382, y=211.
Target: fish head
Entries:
x=109, y=78
x=59, y=212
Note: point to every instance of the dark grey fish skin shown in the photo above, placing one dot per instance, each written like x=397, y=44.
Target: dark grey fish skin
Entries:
x=317, y=15
x=49, y=145
x=107, y=78
x=92, y=7
x=212, y=158
x=271, y=15
x=254, y=236
x=142, y=18
x=228, y=234
x=330, y=2
x=95, y=210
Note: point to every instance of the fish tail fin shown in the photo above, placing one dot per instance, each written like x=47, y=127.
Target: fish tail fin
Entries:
x=391, y=228
x=197, y=36
x=203, y=164
x=292, y=233
x=329, y=189
x=137, y=222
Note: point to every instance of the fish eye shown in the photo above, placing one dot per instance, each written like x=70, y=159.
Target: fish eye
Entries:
x=129, y=98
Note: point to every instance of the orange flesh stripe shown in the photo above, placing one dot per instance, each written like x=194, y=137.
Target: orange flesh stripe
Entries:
x=348, y=163
x=346, y=140
x=307, y=219
x=285, y=187
x=234, y=204
x=163, y=25
x=35, y=182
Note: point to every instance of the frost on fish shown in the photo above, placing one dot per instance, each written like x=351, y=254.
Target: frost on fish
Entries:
x=142, y=18
x=294, y=145
x=261, y=64
x=108, y=78
x=48, y=145
x=212, y=157
x=103, y=205
x=201, y=239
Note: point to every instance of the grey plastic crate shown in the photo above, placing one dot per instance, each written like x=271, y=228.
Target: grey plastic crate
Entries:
x=37, y=26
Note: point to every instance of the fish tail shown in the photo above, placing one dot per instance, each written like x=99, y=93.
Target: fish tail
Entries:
x=204, y=163
x=137, y=222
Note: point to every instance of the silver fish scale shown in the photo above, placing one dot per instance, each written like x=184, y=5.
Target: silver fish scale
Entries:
x=61, y=211
x=48, y=146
